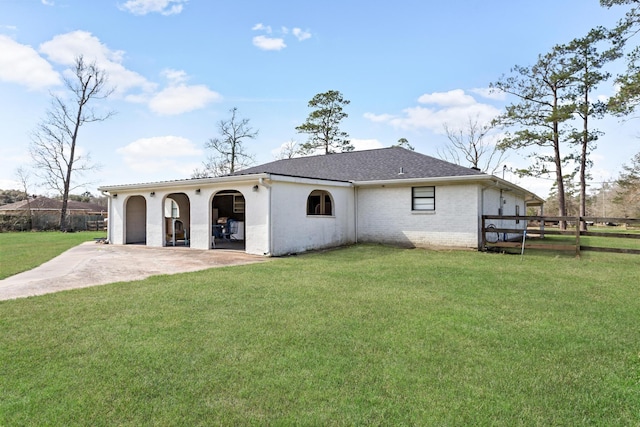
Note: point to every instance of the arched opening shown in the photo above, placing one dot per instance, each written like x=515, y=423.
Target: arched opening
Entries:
x=320, y=202
x=228, y=220
x=177, y=219
x=136, y=220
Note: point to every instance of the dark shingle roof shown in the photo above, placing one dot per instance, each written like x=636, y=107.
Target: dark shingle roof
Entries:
x=369, y=165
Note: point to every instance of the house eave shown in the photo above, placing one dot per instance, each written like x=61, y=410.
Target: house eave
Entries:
x=307, y=180
x=438, y=179
x=483, y=179
x=186, y=183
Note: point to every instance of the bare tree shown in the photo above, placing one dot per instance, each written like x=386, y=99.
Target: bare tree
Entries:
x=289, y=150
x=229, y=152
x=23, y=176
x=54, y=142
x=470, y=144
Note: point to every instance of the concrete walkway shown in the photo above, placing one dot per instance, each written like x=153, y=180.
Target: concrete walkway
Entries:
x=91, y=264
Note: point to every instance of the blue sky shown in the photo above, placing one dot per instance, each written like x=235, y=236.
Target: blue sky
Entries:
x=407, y=66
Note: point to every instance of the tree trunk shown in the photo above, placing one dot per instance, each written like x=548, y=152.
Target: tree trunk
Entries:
x=583, y=162
x=562, y=209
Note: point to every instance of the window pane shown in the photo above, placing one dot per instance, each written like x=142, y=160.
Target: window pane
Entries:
x=327, y=205
x=313, y=205
x=423, y=191
x=424, y=204
x=319, y=203
x=423, y=198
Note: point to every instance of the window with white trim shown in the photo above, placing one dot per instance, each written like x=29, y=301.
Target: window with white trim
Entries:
x=319, y=203
x=423, y=198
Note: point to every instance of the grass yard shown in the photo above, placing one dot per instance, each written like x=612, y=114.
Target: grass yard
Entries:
x=356, y=336
x=22, y=251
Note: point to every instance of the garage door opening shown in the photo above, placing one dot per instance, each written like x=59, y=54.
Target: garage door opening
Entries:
x=136, y=221
x=228, y=220
x=177, y=220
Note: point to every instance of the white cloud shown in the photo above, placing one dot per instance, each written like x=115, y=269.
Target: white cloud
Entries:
x=489, y=93
x=261, y=27
x=451, y=98
x=182, y=99
x=379, y=118
x=21, y=64
x=64, y=48
x=434, y=120
x=143, y=7
x=269, y=43
x=158, y=154
x=276, y=43
x=177, y=98
x=10, y=184
x=301, y=35
x=175, y=76
x=452, y=108
x=366, y=144
x=48, y=2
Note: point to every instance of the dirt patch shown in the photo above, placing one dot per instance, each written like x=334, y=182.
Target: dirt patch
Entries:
x=92, y=264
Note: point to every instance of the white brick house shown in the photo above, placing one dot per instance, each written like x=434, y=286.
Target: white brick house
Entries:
x=389, y=195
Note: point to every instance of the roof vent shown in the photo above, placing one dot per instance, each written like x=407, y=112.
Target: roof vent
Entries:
x=401, y=171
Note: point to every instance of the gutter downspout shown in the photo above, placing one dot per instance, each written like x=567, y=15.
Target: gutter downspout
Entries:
x=266, y=185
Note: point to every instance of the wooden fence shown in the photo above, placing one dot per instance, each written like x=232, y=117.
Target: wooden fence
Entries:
x=537, y=227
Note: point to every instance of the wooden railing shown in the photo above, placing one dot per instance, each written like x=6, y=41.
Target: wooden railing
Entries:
x=537, y=227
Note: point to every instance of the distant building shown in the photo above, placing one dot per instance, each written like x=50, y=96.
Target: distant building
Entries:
x=44, y=213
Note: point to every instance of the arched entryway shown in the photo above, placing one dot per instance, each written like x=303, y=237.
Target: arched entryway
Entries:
x=136, y=220
x=177, y=219
x=228, y=220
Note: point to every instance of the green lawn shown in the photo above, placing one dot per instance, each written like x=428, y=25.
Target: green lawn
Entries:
x=23, y=251
x=356, y=336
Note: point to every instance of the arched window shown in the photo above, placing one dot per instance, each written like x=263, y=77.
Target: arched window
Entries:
x=319, y=203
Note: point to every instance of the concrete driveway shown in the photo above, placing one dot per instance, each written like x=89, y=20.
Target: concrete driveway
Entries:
x=91, y=264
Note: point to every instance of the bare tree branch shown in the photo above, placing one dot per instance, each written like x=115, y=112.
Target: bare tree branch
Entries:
x=54, y=141
x=229, y=152
x=471, y=143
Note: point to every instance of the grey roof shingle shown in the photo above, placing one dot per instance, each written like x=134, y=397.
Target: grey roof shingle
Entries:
x=369, y=165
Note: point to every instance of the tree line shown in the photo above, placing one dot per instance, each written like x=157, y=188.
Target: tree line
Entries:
x=555, y=105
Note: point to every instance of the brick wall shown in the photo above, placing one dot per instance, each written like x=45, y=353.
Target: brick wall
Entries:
x=385, y=215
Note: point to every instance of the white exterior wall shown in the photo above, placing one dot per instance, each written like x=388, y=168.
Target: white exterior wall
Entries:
x=255, y=214
x=115, y=222
x=198, y=220
x=294, y=231
x=385, y=216
x=276, y=220
x=493, y=199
